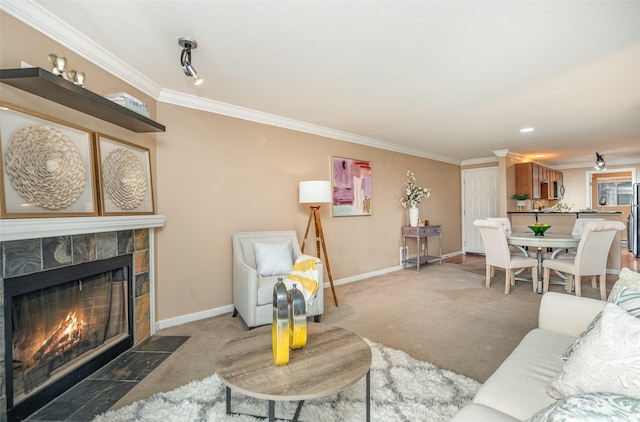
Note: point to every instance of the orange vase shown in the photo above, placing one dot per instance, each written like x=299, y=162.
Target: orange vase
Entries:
x=280, y=326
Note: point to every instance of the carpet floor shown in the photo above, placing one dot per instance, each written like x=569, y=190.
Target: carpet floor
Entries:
x=402, y=389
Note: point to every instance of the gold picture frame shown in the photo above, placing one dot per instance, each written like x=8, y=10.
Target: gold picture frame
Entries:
x=124, y=175
x=46, y=166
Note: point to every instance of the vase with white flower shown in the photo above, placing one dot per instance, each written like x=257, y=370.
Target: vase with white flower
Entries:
x=413, y=194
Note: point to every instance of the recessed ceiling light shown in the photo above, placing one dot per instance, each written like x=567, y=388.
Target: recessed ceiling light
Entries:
x=526, y=130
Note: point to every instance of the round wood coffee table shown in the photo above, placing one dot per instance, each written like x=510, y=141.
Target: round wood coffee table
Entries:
x=332, y=360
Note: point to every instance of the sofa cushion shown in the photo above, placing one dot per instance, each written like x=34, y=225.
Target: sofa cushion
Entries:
x=605, y=407
x=273, y=258
x=265, y=289
x=474, y=412
x=518, y=387
x=627, y=278
x=606, y=359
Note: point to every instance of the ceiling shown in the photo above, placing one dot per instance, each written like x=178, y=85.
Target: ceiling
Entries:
x=450, y=80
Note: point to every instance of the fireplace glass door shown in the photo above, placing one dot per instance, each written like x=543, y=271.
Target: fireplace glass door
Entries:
x=58, y=328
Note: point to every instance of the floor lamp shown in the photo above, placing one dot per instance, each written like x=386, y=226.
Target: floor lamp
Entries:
x=316, y=192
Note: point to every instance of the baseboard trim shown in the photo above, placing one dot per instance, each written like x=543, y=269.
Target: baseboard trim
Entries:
x=196, y=316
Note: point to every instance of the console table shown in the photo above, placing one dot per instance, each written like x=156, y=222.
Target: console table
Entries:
x=421, y=233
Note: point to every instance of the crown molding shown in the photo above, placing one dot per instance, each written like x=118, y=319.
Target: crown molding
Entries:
x=217, y=107
x=41, y=20
x=507, y=153
x=483, y=160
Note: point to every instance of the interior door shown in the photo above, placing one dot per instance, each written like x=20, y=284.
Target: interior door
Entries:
x=480, y=191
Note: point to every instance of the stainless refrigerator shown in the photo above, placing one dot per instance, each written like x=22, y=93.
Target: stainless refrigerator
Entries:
x=634, y=221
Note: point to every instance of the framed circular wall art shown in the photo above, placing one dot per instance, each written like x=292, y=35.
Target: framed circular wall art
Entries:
x=47, y=166
x=124, y=174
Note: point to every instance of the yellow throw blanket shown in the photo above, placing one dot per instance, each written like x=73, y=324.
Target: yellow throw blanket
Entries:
x=305, y=275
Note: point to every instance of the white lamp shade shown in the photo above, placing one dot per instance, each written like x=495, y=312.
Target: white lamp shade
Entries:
x=315, y=192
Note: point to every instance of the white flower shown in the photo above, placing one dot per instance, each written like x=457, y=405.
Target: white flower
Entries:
x=413, y=193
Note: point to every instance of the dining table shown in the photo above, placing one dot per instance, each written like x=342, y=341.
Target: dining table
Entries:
x=555, y=241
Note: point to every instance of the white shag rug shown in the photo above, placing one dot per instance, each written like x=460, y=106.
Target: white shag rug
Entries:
x=402, y=389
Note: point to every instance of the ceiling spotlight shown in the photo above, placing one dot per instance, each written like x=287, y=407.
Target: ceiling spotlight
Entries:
x=600, y=164
x=187, y=45
x=526, y=130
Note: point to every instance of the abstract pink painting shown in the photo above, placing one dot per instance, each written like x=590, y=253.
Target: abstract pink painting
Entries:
x=351, y=183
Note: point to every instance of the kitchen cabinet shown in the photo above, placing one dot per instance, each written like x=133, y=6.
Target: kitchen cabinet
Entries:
x=538, y=181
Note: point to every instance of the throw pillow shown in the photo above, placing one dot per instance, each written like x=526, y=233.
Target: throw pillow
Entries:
x=627, y=278
x=594, y=407
x=625, y=298
x=273, y=258
x=606, y=359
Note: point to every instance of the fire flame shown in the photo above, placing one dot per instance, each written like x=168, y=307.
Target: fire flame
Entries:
x=68, y=333
x=72, y=323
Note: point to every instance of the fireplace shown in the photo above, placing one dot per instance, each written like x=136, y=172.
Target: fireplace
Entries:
x=42, y=245
x=61, y=325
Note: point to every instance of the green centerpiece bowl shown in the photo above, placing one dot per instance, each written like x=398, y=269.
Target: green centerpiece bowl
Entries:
x=539, y=230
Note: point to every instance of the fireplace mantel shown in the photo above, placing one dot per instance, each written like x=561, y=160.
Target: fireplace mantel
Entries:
x=31, y=228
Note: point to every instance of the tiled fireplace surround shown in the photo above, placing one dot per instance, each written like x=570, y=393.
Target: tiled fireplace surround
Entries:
x=30, y=246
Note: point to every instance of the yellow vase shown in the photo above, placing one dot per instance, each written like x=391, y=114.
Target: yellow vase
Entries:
x=297, y=319
x=280, y=326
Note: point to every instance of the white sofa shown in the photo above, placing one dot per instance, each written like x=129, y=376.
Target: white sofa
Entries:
x=518, y=388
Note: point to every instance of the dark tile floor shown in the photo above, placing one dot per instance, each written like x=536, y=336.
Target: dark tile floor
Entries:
x=97, y=393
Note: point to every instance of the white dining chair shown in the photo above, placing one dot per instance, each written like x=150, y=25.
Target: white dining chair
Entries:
x=497, y=254
x=581, y=224
x=590, y=258
x=504, y=221
x=577, y=230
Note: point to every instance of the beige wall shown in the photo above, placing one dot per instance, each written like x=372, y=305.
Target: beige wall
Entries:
x=215, y=175
x=218, y=175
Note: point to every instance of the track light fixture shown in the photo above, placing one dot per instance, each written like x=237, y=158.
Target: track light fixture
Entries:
x=600, y=164
x=187, y=45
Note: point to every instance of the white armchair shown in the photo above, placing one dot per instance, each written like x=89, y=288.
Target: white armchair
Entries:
x=253, y=293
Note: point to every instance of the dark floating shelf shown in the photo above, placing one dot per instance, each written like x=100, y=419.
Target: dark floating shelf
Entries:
x=55, y=88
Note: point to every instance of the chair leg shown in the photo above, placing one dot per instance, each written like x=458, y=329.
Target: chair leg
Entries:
x=569, y=286
x=235, y=312
x=507, y=280
x=534, y=278
x=545, y=280
x=578, y=280
x=489, y=272
x=603, y=286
